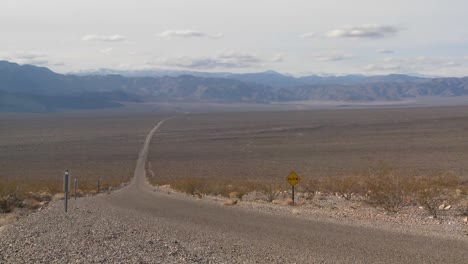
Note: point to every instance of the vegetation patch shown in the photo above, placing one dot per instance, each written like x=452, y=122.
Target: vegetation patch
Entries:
x=381, y=187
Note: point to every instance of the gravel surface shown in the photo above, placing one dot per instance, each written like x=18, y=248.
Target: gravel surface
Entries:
x=97, y=230
x=336, y=209
x=90, y=233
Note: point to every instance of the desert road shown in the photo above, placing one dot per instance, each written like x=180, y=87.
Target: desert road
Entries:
x=140, y=224
x=291, y=239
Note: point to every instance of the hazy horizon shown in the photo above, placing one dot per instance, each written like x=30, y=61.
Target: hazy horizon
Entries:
x=177, y=72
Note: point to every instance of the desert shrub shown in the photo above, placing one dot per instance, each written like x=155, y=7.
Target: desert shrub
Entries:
x=6, y=188
x=433, y=191
x=310, y=187
x=219, y=188
x=229, y=188
x=463, y=207
x=190, y=186
x=380, y=186
x=385, y=188
x=462, y=197
x=344, y=186
x=430, y=198
x=8, y=203
x=200, y=186
x=270, y=191
x=245, y=187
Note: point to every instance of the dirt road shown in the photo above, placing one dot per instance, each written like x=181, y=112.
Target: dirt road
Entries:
x=287, y=238
x=140, y=224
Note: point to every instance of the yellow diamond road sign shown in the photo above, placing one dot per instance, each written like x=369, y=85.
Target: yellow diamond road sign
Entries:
x=293, y=178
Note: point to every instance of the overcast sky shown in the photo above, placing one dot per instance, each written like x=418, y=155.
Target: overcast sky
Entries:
x=428, y=37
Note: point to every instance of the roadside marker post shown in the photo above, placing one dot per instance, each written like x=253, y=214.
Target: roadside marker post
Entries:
x=99, y=185
x=66, y=188
x=75, y=185
x=293, y=179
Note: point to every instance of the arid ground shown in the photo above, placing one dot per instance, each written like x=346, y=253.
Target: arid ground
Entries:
x=36, y=149
x=321, y=143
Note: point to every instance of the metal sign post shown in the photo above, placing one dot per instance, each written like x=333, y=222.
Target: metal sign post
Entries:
x=66, y=188
x=293, y=194
x=293, y=179
x=75, y=185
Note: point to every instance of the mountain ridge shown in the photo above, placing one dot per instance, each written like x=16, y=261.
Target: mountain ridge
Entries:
x=30, y=88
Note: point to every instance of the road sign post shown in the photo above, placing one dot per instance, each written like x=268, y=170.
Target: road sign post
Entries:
x=293, y=194
x=293, y=179
x=66, y=188
x=75, y=185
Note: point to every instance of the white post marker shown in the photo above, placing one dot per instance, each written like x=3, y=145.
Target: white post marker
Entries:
x=75, y=185
x=293, y=179
x=66, y=188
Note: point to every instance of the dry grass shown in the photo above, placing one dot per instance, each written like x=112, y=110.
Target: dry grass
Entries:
x=203, y=186
x=431, y=192
x=383, y=187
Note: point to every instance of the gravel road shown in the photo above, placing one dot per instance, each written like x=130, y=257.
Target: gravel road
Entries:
x=138, y=224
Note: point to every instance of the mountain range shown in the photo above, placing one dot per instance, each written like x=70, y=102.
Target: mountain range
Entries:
x=28, y=88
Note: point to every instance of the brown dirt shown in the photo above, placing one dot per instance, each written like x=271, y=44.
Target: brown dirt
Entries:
x=36, y=149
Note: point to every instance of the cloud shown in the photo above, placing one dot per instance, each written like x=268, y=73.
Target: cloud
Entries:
x=56, y=64
x=334, y=56
x=104, y=38
x=278, y=58
x=382, y=67
x=187, y=34
x=385, y=51
x=363, y=31
x=32, y=58
x=107, y=50
x=308, y=35
x=136, y=67
x=27, y=57
x=414, y=64
x=227, y=60
x=24, y=55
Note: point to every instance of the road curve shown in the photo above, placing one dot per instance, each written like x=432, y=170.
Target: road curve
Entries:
x=233, y=234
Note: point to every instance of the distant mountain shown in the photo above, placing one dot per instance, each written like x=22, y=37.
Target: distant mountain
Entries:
x=19, y=102
x=187, y=87
x=151, y=73
x=27, y=88
x=36, y=89
x=396, y=78
x=269, y=78
x=377, y=91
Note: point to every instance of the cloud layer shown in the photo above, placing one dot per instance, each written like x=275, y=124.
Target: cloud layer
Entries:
x=385, y=51
x=333, y=56
x=414, y=64
x=187, y=33
x=308, y=35
x=226, y=60
x=363, y=31
x=103, y=38
x=29, y=57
